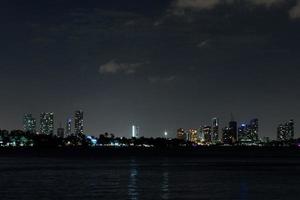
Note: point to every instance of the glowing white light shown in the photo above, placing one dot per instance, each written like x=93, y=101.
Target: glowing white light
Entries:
x=133, y=131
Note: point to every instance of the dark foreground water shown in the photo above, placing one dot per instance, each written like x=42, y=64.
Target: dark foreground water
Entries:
x=149, y=178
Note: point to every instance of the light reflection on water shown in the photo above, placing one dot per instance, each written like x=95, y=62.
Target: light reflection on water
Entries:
x=132, y=184
x=155, y=178
x=165, y=185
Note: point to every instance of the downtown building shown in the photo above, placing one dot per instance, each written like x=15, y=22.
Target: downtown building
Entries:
x=29, y=123
x=47, y=123
x=285, y=131
x=135, y=131
x=215, y=130
x=230, y=133
x=248, y=133
x=192, y=135
x=69, y=127
x=181, y=135
x=78, y=118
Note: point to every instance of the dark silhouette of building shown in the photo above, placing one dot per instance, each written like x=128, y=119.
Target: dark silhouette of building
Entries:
x=227, y=137
x=233, y=131
x=207, y=134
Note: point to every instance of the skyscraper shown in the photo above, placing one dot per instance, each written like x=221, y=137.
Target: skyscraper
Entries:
x=215, y=130
x=78, y=122
x=285, y=131
x=233, y=131
x=248, y=133
x=243, y=135
x=207, y=134
x=29, y=123
x=69, y=127
x=47, y=123
x=227, y=137
x=253, y=130
x=181, y=135
x=193, y=135
x=135, y=131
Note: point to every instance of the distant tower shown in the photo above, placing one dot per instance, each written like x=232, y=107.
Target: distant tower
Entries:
x=69, y=127
x=215, y=130
x=47, y=123
x=29, y=123
x=78, y=122
x=135, y=131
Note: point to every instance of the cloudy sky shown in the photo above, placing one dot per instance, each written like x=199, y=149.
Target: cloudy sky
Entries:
x=158, y=64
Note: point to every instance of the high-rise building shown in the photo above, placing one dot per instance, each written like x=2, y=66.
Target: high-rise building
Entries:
x=78, y=122
x=285, y=131
x=243, y=135
x=193, y=135
x=69, y=127
x=215, y=130
x=253, y=130
x=233, y=131
x=207, y=134
x=227, y=137
x=29, y=123
x=135, y=132
x=248, y=133
x=47, y=123
x=181, y=135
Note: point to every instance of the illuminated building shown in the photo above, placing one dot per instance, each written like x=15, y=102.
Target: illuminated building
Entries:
x=181, y=135
x=243, y=135
x=69, y=127
x=29, y=123
x=193, y=135
x=135, y=131
x=201, y=134
x=248, y=133
x=285, y=131
x=47, y=123
x=78, y=122
x=207, y=134
x=215, y=130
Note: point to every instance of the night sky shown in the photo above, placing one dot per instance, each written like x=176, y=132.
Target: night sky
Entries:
x=161, y=64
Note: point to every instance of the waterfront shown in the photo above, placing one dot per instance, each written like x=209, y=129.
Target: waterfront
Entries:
x=137, y=177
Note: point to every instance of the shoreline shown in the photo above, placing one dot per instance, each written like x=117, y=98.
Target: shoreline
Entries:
x=205, y=152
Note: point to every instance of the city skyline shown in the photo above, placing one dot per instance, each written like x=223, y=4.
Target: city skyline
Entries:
x=159, y=65
x=241, y=131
